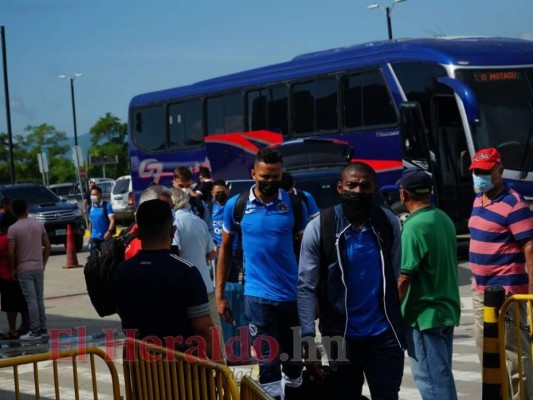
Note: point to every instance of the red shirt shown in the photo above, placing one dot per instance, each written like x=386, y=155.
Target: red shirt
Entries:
x=5, y=273
x=134, y=246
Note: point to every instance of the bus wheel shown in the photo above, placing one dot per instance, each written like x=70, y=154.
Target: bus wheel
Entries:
x=400, y=210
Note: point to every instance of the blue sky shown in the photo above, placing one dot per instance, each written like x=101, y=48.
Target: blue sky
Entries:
x=124, y=48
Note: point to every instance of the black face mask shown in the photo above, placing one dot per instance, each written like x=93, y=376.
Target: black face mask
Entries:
x=221, y=197
x=357, y=206
x=268, y=189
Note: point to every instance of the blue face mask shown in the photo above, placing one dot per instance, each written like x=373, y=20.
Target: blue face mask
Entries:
x=482, y=183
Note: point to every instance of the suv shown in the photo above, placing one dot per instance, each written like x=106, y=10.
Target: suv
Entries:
x=315, y=165
x=122, y=199
x=45, y=207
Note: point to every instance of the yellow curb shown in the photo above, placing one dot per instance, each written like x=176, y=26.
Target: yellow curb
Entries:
x=87, y=233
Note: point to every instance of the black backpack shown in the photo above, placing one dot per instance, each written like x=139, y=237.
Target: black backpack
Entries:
x=100, y=271
x=328, y=236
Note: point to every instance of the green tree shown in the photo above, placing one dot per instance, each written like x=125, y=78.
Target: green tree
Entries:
x=5, y=169
x=109, y=138
x=38, y=139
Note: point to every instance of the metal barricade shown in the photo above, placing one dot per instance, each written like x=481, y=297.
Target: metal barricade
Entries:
x=154, y=372
x=512, y=314
x=39, y=365
x=251, y=390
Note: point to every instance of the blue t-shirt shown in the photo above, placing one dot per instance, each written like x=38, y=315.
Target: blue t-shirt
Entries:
x=270, y=266
x=99, y=222
x=217, y=218
x=312, y=208
x=158, y=293
x=364, y=281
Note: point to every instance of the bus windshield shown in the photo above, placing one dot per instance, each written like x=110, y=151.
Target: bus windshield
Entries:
x=505, y=99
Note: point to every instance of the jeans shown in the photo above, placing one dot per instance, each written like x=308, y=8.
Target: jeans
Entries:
x=271, y=322
x=430, y=355
x=379, y=359
x=32, y=287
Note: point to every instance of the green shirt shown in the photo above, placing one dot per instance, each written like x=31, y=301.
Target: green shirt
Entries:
x=429, y=255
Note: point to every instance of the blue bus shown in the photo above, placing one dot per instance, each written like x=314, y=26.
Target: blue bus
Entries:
x=427, y=102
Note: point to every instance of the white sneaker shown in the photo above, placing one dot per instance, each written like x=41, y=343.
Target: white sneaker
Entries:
x=31, y=336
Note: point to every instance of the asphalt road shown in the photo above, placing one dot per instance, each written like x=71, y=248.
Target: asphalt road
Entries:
x=68, y=307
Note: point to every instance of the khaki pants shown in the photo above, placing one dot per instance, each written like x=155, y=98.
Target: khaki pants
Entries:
x=216, y=321
x=510, y=346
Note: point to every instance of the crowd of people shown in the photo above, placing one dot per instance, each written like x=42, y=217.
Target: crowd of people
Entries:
x=378, y=290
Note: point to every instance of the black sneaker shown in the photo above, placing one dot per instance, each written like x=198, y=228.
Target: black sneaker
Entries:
x=44, y=333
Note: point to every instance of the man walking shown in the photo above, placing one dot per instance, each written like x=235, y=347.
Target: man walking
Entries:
x=194, y=243
x=102, y=219
x=428, y=287
x=271, y=272
x=158, y=293
x=28, y=252
x=501, y=253
x=350, y=258
x=220, y=197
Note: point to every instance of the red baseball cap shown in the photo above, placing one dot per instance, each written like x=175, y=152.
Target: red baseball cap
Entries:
x=486, y=159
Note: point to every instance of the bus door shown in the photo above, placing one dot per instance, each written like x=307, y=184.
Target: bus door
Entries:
x=452, y=177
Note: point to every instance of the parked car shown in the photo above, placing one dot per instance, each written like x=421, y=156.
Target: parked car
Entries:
x=122, y=200
x=44, y=206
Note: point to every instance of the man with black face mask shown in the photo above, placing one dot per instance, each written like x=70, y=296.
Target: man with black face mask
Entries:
x=219, y=193
x=350, y=258
x=271, y=273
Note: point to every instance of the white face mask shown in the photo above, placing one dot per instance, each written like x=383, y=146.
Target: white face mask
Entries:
x=94, y=199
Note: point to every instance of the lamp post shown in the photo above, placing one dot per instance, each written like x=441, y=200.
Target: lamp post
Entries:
x=72, y=79
x=388, y=11
x=76, y=156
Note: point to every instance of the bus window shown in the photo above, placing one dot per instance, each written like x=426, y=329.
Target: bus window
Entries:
x=278, y=109
x=185, y=124
x=315, y=106
x=267, y=109
x=419, y=83
x=224, y=114
x=150, y=128
x=366, y=101
x=257, y=109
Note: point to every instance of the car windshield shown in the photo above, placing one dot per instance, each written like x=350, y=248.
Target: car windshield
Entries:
x=121, y=186
x=237, y=187
x=31, y=194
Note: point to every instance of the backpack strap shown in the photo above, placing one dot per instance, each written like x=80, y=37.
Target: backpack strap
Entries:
x=297, y=209
x=210, y=206
x=328, y=235
x=238, y=211
x=104, y=209
x=301, y=195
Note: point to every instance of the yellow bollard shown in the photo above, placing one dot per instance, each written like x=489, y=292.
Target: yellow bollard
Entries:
x=492, y=376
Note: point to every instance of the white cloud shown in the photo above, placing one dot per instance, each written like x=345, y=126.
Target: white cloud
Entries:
x=527, y=35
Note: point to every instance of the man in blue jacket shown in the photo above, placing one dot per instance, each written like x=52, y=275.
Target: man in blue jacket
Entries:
x=354, y=275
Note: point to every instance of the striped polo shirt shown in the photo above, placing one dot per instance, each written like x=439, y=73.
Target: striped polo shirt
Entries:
x=496, y=254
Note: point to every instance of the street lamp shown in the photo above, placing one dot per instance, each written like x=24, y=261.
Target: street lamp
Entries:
x=71, y=79
x=388, y=11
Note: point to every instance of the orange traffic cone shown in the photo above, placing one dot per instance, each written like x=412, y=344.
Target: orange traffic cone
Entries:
x=72, y=258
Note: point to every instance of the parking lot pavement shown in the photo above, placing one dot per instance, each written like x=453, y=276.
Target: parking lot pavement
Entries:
x=68, y=307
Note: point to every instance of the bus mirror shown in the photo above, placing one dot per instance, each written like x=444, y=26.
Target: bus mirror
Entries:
x=466, y=95
x=413, y=133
